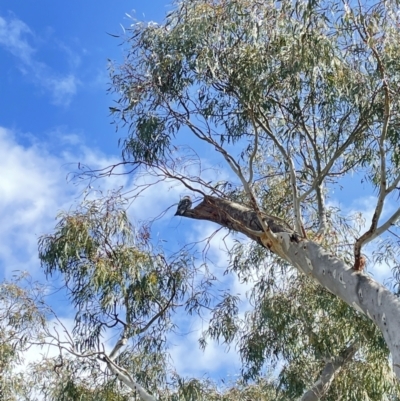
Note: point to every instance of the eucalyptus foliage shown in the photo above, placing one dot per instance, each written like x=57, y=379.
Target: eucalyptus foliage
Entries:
x=307, y=92
x=121, y=286
x=22, y=319
x=297, y=98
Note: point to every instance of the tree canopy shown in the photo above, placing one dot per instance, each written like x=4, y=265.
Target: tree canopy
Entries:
x=297, y=99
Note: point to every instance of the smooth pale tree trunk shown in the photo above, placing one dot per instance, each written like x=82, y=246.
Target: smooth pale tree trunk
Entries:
x=354, y=287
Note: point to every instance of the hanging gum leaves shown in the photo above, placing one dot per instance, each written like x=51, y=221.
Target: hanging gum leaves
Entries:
x=300, y=69
x=106, y=267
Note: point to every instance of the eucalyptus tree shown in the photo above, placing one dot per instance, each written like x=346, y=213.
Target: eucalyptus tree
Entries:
x=21, y=322
x=125, y=293
x=299, y=99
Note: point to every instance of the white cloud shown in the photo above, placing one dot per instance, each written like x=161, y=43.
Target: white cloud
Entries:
x=34, y=187
x=14, y=35
x=74, y=59
x=35, y=353
x=62, y=88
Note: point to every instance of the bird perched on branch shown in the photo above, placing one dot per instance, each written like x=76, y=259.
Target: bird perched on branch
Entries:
x=184, y=205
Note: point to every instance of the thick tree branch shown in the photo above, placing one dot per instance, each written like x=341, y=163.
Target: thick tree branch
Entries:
x=358, y=290
x=330, y=370
x=232, y=164
x=120, y=343
x=238, y=218
x=125, y=377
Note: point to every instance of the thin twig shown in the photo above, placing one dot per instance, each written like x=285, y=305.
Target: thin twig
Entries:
x=299, y=227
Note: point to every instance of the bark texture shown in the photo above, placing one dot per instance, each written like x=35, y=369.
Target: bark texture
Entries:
x=354, y=287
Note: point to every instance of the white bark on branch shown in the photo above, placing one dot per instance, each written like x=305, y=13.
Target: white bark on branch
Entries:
x=385, y=226
x=129, y=382
x=355, y=288
x=120, y=343
x=330, y=370
x=393, y=184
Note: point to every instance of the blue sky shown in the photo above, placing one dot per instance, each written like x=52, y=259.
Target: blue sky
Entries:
x=53, y=58
x=54, y=115
x=53, y=63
